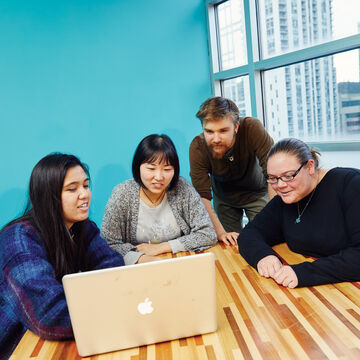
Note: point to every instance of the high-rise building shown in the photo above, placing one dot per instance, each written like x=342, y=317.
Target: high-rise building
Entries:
x=349, y=96
x=301, y=100
x=233, y=52
x=358, y=28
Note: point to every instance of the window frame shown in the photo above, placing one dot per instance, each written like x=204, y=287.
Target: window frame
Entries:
x=256, y=66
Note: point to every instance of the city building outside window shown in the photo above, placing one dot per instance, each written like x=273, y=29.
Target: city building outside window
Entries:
x=292, y=63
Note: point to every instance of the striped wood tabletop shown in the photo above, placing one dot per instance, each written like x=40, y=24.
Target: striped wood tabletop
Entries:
x=257, y=319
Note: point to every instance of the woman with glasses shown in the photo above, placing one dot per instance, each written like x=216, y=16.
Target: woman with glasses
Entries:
x=316, y=213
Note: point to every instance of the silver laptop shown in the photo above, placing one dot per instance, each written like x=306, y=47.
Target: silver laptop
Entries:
x=128, y=306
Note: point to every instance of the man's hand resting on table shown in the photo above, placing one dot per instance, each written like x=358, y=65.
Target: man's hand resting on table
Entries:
x=228, y=238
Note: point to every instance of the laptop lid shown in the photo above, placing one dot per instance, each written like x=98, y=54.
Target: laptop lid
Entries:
x=130, y=306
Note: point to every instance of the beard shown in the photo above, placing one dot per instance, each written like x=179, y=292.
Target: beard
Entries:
x=218, y=151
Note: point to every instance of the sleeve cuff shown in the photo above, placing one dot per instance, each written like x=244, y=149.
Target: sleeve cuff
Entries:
x=176, y=246
x=132, y=257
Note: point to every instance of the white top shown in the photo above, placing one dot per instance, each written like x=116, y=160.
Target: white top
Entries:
x=122, y=211
x=158, y=224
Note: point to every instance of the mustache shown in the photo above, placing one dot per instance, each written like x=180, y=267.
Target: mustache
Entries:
x=217, y=144
x=218, y=153
x=220, y=145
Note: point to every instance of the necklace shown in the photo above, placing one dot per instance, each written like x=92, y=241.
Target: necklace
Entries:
x=70, y=232
x=298, y=219
x=157, y=200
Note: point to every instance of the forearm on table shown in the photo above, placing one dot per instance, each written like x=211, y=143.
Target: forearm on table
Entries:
x=121, y=247
x=154, y=249
x=195, y=241
x=132, y=257
x=101, y=255
x=175, y=246
x=165, y=247
x=40, y=306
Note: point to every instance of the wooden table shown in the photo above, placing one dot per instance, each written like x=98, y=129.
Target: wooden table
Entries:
x=257, y=319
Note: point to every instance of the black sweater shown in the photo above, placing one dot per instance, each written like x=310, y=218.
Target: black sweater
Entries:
x=329, y=230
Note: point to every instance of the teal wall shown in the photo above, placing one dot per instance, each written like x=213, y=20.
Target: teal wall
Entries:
x=93, y=78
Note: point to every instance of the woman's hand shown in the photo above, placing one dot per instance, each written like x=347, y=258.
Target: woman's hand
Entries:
x=286, y=276
x=269, y=266
x=147, y=258
x=154, y=249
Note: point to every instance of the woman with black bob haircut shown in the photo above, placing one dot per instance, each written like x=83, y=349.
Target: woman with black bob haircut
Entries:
x=316, y=213
x=157, y=211
x=53, y=238
x=151, y=148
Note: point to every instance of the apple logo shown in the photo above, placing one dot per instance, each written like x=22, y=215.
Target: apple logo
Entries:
x=145, y=307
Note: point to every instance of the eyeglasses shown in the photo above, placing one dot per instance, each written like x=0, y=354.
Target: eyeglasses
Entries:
x=284, y=178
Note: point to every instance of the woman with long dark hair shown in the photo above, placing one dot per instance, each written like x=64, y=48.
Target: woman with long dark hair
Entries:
x=54, y=237
x=158, y=211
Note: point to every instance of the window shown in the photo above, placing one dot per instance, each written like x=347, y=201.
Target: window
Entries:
x=231, y=30
x=292, y=63
x=238, y=90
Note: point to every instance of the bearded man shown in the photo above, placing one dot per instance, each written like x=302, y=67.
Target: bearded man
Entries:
x=228, y=166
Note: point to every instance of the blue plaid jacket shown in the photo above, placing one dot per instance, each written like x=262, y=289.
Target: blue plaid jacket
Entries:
x=31, y=297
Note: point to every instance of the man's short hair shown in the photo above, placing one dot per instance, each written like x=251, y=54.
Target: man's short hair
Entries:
x=216, y=108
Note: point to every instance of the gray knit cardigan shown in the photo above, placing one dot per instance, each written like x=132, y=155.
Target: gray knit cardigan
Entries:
x=121, y=217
